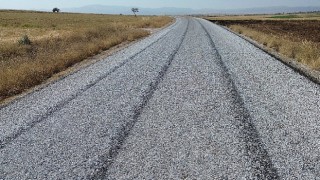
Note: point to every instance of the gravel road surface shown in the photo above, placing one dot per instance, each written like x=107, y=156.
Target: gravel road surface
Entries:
x=192, y=101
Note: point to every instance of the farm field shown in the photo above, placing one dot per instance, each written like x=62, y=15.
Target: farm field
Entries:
x=295, y=36
x=36, y=45
x=302, y=16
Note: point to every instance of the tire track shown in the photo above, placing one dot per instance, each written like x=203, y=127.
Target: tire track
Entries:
x=124, y=132
x=8, y=139
x=260, y=160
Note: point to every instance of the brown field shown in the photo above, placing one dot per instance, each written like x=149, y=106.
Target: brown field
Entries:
x=59, y=40
x=294, y=36
x=276, y=17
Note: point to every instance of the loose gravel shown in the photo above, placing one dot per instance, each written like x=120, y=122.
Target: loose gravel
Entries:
x=195, y=127
x=192, y=101
x=284, y=106
x=188, y=129
x=24, y=113
x=72, y=140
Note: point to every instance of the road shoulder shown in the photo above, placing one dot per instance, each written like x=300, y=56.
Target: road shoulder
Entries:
x=81, y=65
x=312, y=75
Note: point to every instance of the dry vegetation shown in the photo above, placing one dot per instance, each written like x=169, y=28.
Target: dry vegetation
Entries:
x=276, y=17
x=59, y=40
x=295, y=36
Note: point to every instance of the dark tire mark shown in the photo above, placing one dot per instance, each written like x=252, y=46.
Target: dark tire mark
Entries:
x=8, y=139
x=119, y=140
x=260, y=160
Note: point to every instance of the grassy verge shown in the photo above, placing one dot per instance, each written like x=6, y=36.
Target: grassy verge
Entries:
x=59, y=40
x=304, y=51
x=298, y=39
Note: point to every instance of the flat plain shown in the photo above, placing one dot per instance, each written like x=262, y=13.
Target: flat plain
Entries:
x=36, y=45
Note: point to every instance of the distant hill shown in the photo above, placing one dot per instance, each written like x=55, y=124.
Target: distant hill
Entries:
x=100, y=9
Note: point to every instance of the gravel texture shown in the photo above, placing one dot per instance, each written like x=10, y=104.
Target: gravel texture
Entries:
x=188, y=129
x=67, y=134
x=23, y=113
x=192, y=101
x=195, y=126
x=284, y=106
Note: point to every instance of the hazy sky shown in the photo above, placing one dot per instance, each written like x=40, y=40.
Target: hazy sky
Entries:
x=196, y=4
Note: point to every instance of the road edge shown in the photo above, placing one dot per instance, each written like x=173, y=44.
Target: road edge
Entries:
x=300, y=68
x=80, y=65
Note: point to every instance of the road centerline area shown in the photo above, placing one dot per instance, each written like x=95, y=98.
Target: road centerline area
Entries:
x=119, y=140
x=181, y=133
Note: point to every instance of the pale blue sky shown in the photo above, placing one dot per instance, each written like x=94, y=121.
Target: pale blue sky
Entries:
x=196, y=4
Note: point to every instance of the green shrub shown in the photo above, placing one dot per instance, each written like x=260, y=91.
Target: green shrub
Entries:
x=24, y=40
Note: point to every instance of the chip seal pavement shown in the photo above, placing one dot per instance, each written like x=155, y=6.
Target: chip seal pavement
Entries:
x=192, y=101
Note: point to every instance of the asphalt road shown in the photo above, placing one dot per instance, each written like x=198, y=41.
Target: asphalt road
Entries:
x=192, y=101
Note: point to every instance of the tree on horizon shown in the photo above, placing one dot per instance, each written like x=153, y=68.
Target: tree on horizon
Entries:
x=135, y=10
x=56, y=10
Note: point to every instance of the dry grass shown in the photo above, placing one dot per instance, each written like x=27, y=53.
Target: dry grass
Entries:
x=304, y=51
x=292, y=35
x=305, y=16
x=58, y=42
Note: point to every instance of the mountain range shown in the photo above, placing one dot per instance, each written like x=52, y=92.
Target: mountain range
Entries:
x=101, y=9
